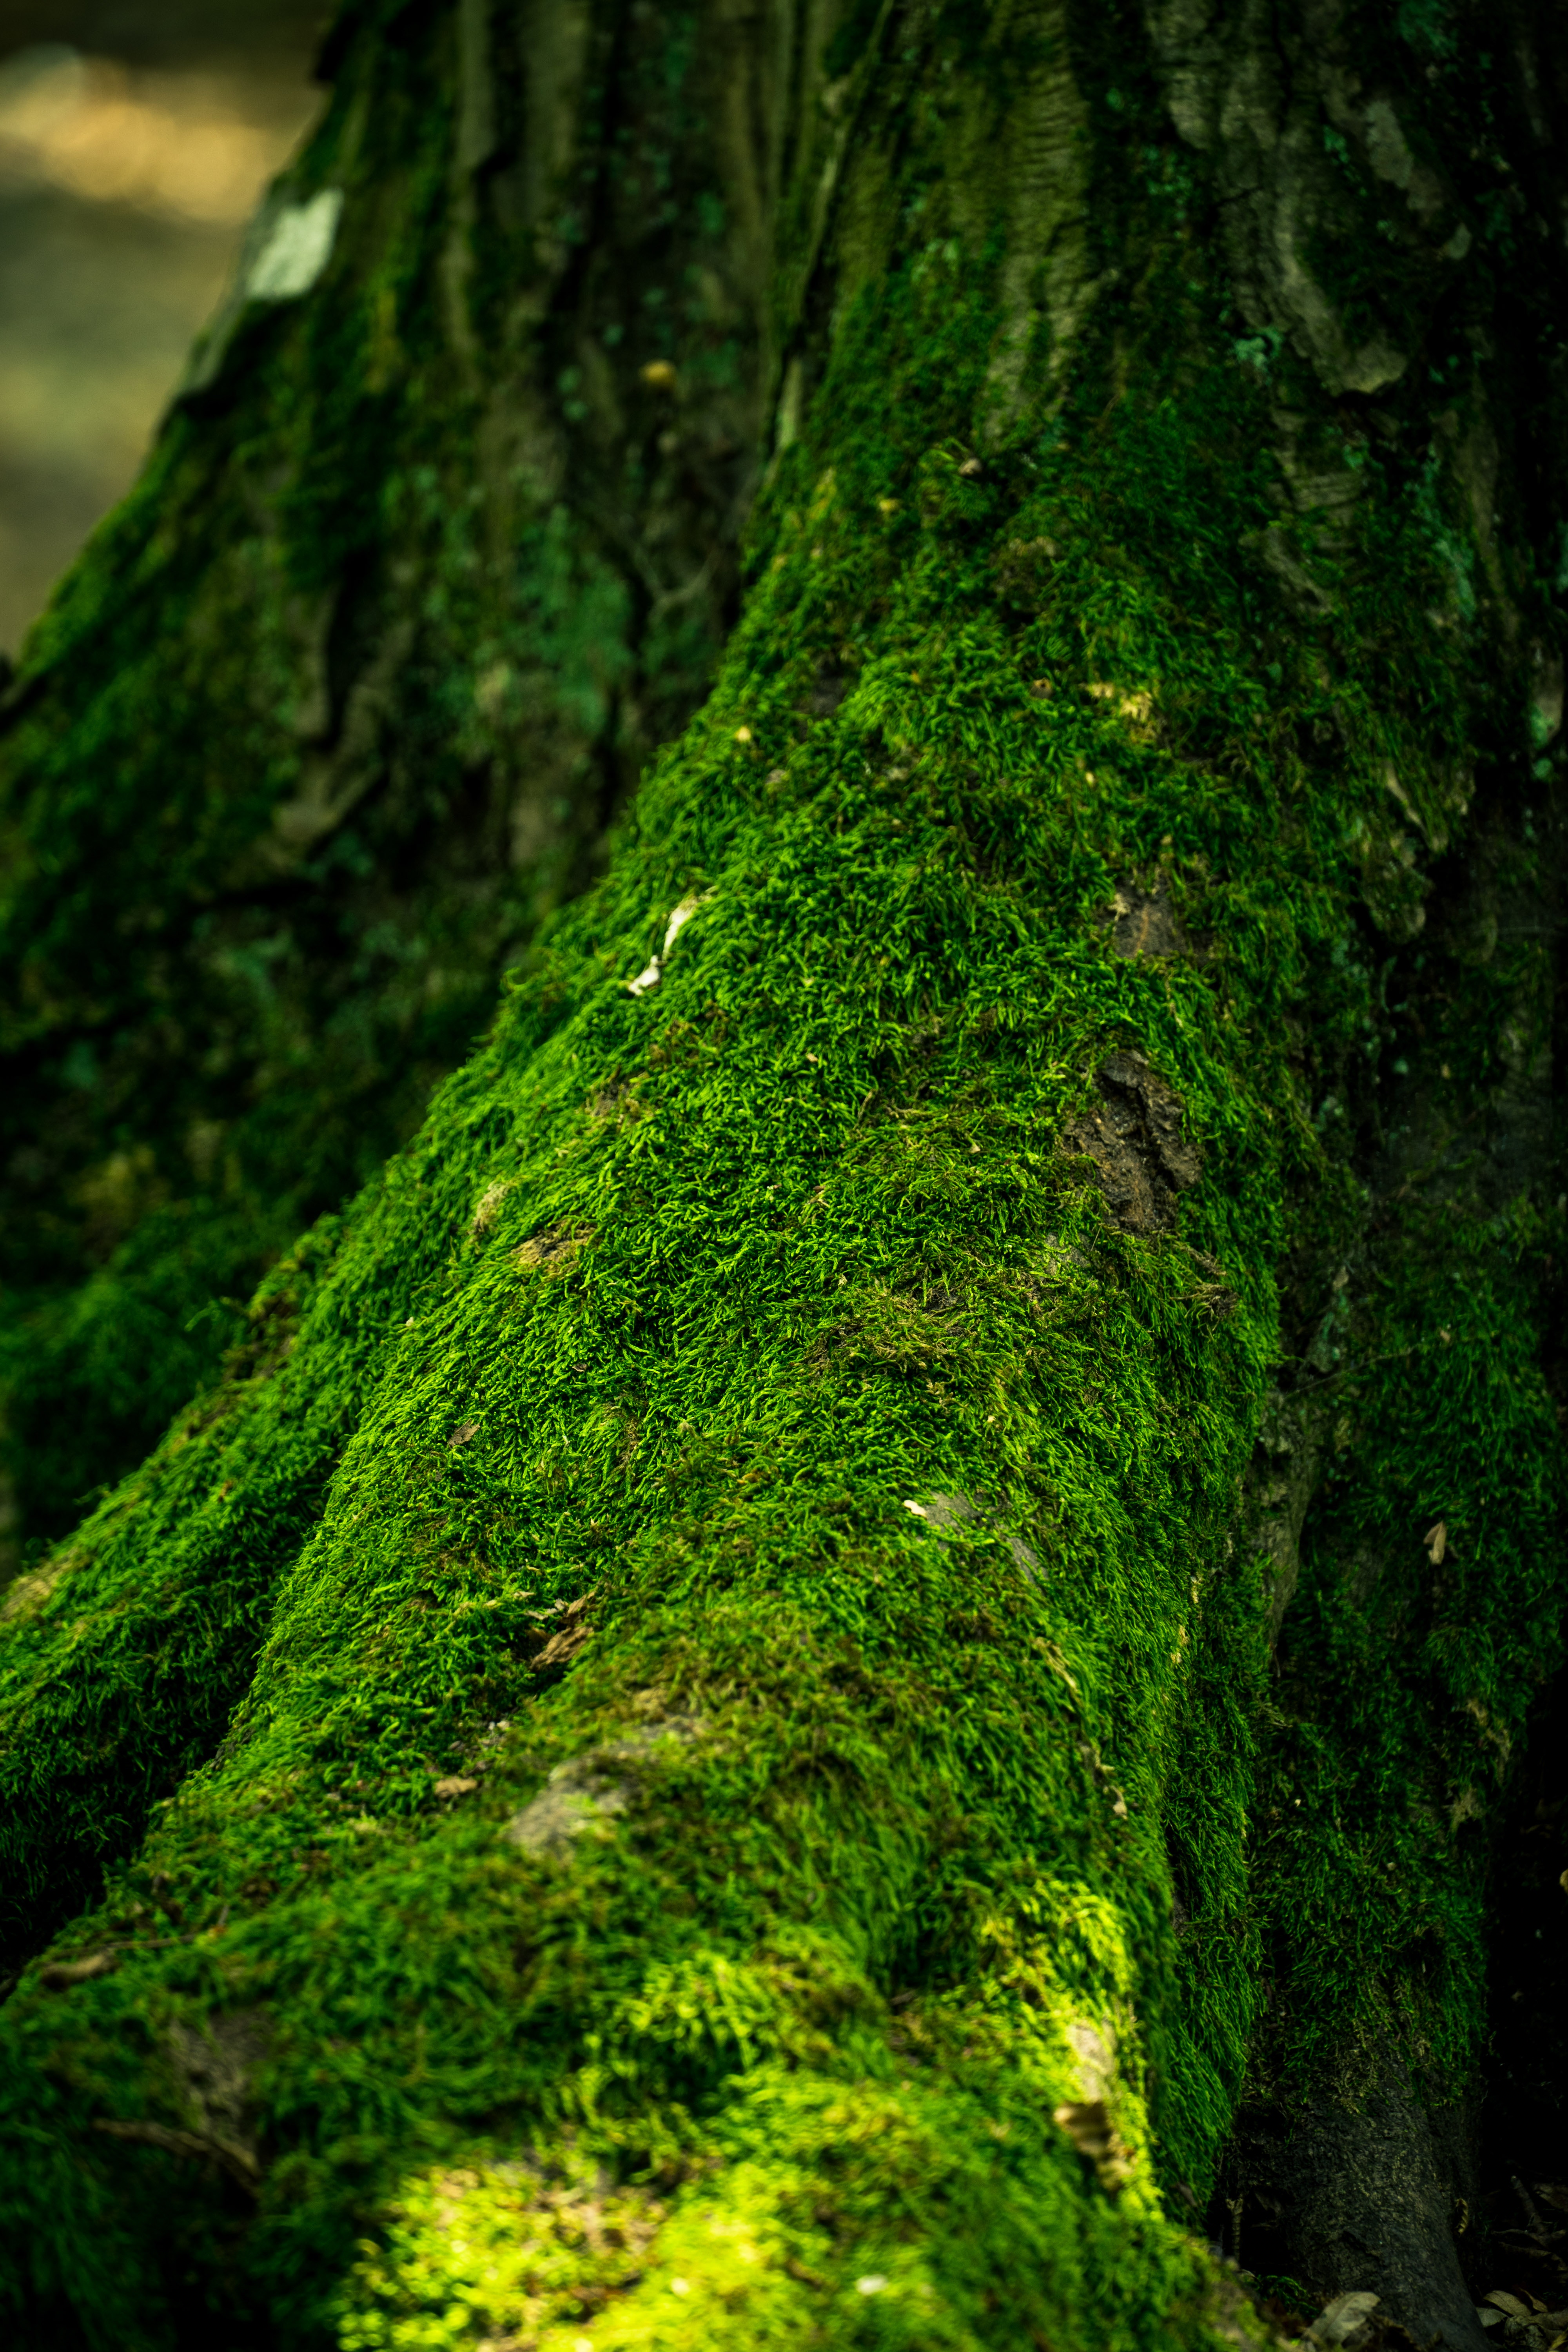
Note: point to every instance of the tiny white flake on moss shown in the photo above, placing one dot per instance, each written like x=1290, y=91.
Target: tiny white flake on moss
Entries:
x=653, y=972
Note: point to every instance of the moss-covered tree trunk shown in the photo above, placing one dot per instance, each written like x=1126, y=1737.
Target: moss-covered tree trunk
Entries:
x=439, y=540
x=854, y=1645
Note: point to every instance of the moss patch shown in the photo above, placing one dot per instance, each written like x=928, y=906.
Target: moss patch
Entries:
x=747, y=1413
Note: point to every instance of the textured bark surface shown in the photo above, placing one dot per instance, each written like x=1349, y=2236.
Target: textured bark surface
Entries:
x=436, y=545
x=1365, y=2198
x=1366, y=2190
x=859, y=1640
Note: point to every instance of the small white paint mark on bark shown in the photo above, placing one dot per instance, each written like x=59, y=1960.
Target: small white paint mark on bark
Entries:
x=298, y=249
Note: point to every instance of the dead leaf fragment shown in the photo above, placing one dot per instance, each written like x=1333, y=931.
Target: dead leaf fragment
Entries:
x=455, y=1784
x=563, y=1646
x=572, y=1635
x=461, y=1436
x=1437, y=1542
x=693, y=902
x=60, y=1975
x=1344, y=2319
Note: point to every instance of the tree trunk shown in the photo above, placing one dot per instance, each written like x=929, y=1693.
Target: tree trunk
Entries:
x=853, y=1647
x=438, y=540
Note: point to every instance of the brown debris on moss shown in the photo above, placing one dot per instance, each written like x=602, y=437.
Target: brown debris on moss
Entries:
x=1135, y=1135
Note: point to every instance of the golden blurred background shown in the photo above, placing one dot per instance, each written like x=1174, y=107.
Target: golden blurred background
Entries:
x=135, y=136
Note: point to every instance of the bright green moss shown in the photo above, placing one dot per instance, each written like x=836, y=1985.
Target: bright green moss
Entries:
x=928, y=1774
x=330, y=714
x=748, y=1681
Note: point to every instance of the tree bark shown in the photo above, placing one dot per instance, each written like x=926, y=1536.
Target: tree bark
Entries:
x=854, y=1646
x=435, y=544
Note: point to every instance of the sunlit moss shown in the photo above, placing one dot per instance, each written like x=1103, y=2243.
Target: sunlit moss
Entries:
x=743, y=1665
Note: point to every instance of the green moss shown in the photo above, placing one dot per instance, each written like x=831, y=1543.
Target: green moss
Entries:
x=334, y=711
x=743, y=1666
x=1431, y=1605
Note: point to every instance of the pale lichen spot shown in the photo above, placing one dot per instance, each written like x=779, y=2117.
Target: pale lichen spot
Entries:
x=1095, y=2051
x=492, y=688
x=1133, y=705
x=947, y=1514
